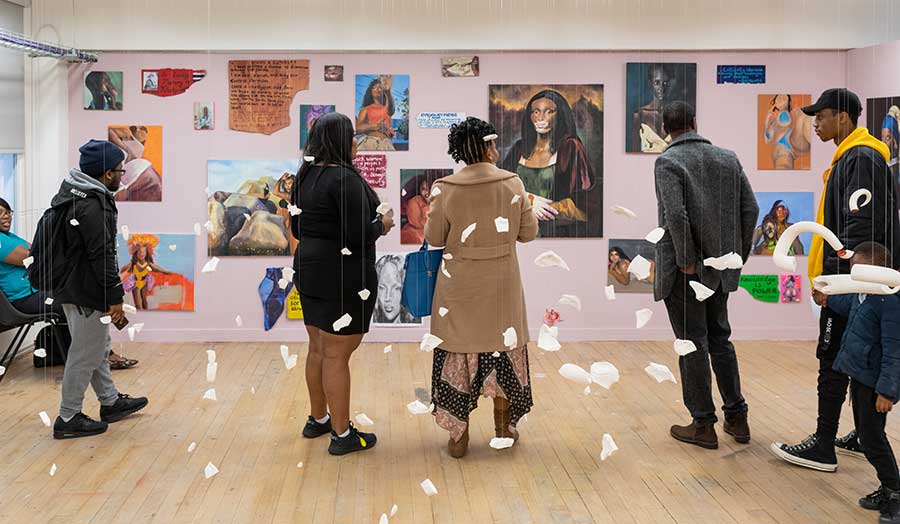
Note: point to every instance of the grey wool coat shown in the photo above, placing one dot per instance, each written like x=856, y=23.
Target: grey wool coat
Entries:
x=708, y=209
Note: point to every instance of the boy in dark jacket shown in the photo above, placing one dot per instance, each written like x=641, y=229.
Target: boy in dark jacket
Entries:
x=870, y=356
x=92, y=290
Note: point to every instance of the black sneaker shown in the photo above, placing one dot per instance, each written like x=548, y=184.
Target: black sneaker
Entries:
x=355, y=441
x=874, y=500
x=80, y=425
x=123, y=407
x=812, y=453
x=849, y=445
x=890, y=512
x=313, y=429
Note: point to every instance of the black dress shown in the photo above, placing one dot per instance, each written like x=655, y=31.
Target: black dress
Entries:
x=337, y=212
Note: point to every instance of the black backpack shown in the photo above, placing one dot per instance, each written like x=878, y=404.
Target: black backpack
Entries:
x=55, y=340
x=51, y=265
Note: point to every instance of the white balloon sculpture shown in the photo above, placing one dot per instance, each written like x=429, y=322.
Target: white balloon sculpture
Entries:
x=788, y=263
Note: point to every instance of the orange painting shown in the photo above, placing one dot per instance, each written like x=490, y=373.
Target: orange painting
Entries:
x=142, y=181
x=783, y=132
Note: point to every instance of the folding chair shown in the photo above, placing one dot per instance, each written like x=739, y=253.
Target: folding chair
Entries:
x=12, y=318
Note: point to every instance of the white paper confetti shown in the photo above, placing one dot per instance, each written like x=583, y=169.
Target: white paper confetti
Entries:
x=210, y=356
x=291, y=362
x=131, y=332
x=342, y=322
x=502, y=224
x=570, y=300
x=610, y=291
x=192, y=447
x=383, y=519
x=45, y=418
x=576, y=373
x=283, y=283
x=288, y=272
x=173, y=247
x=40, y=353
x=655, y=235
x=208, y=225
x=197, y=228
x=684, y=347
x=27, y=261
x=515, y=199
x=468, y=231
x=49, y=301
x=429, y=342
x=128, y=308
x=428, y=487
x=210, y=471
x=502, y=443
x=210, y=394
x=388, y=348
x=495, y=354
x=547, y=338
x=74, y=222
x=139, y=326
x=363, y=420
x=309, y=158
x=299, y=465
x=416, y=407
x=125, y=233
x=364, y=294
x=211, y=369
x=435, y=191
x=285, y=353
x=550, y=259
x=346, y=252
x=510, y=339
x=252, y=390
x=394, y=510
x=210, y=265
x=444, y=269
x=660, y=372
x=642, y=316
x=383, y=208
x=609, y=447
x=727, y=261
x=53, y=469
x=246, y=216
x=624, y=211
x=702, y=292
x=2, y=370
x=238, y=321
x=403, y=192
x=604, y=374
x=442, y=311
x=294, y=210
x=639, y=267
x=447, y=256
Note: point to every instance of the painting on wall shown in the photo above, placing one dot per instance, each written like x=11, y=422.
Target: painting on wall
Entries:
x=168, y=81
x=415, y=189
x=782, y=138
x=382, y=112
x=273, y=296
x=777, y=212
x=649, y=86
x=334, y=73
x=248, y=207
x=388, y=308
x=157, y=270
x=103, y=90
x=789, y=285
x=457, y=66
x=883, y=121
x=204, y=116
x=8, y=179
x=308, y=113
x=619, y=256
x=142, y=181
x=552, y=137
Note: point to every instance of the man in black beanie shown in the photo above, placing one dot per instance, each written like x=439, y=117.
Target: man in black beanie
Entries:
x=91, y=293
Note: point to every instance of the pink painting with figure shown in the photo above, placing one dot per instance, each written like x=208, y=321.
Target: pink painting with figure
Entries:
x=373, y=169
x=789, y=286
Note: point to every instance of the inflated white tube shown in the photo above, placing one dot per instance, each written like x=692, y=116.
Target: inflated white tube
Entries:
x=854, y=199
x=788, y=263
x=841, y=284
x=875, y=275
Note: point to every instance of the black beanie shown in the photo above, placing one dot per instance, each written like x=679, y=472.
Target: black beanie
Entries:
x=98, y=157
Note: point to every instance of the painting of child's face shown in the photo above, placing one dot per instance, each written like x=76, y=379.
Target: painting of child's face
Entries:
x=390, y=288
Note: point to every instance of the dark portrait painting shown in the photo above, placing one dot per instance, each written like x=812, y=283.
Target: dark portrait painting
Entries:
x=648, y=88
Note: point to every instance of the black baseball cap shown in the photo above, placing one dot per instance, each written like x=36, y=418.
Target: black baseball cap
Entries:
x=839, y=99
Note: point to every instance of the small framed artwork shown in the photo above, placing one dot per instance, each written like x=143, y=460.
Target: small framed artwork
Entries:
x=334, y=73
x=204, y=116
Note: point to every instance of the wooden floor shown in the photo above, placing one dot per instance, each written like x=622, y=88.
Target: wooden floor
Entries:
x=140, y=471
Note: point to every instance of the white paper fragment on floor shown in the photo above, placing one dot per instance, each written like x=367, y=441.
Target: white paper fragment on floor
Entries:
x=74, y=222
x=197, y=228
x=238, y=321
x=53, y=469
x=139, y=326
x=128, y=308
x=40, y=353
x=700, y=291
x=604, y=374
x=252, y=390
x=428, y=487
x=210, y=394
x=2, y=370
x=364, y=294
x=435, y=191
x=684, y=347
x=416, y=407
x=642, y=316
x=444, y=269
x=587, y=390
x=547, y=338
x=211, y=369
x=624, y=211
x=468, y=231
x=655, y=235
x=429, y=342
x=502, y=443
x=550, y=259
x=210, y=470
x=27, y=261
x=192, y=447
x=447, y=256
x=125, y=233
x=610, y=291
x=131, y=332
x=346, y=252
x=515, y=199
x=44, y=418
x=383, y=208
x=285, y=352
x=854, y=199
x=294, y=210
x=394, y=510
x=495, y=354
x=639, y=267
x=49, y=301
x=609, y=447
x=660, y=372
x=570, y=300
x=299, y=465
x=502, y=224
x=383, y=519
x=510, y=339
x=288, y=272
x=283, y=283
x=173, y=247
x=291, y=362
x=388, y=348
x=575, y=373
x=363, y=420
x=210, y=356
x=210, y=265
x=342, y=322
x=442, y=311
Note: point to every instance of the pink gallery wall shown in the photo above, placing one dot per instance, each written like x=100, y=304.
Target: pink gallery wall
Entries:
x=874, y=72
x=726, y=114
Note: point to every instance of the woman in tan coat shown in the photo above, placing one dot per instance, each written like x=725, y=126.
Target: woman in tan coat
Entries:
x=478, y=215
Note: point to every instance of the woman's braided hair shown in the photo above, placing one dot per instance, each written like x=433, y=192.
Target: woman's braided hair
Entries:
x=466, y=140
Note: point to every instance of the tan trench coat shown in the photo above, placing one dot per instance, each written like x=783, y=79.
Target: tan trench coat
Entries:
x=483, y=293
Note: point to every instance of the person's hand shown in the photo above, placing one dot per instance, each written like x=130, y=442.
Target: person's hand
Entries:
x=821, y=299
x=387, y=220
x=883, y=404
x=116, y=313
x=542, y=209
x=689, y=270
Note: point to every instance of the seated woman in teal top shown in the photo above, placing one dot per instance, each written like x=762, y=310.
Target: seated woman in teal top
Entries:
x=15, y=285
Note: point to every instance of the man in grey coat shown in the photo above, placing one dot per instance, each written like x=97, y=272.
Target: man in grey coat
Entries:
x=708, y=209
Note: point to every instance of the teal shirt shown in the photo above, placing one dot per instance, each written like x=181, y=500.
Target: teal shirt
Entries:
x=13, y=280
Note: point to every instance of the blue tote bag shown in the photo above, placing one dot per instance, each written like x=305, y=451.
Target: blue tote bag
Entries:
x=421, y=269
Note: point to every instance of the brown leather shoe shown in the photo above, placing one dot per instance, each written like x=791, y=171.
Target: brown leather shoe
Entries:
x=703, y=436
x=458, y=448
x=737, y=427
x=502, y=428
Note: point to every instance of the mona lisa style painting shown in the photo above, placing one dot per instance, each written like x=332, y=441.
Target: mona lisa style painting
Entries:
x=552, y=137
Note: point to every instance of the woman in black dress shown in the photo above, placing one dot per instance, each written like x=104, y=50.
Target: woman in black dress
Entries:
x=335, y=273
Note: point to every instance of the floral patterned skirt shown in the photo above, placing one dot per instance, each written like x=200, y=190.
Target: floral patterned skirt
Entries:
x=458, y=379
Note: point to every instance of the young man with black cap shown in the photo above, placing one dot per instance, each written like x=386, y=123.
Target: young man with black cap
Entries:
x=860, y=162
x=92, y=290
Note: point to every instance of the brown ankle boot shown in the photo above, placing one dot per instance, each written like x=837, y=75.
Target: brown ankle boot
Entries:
x=703, y=436
x=458, y=448
x=502, y=428
x=737, y=427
